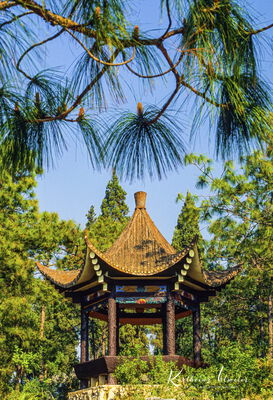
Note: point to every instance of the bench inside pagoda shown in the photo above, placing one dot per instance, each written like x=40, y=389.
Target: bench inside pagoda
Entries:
x=140, y=280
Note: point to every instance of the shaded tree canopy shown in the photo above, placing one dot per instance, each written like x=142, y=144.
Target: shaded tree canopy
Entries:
x=207, y=48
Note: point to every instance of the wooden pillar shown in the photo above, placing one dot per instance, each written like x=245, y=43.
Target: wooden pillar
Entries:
x=112, y=326
x=170, y=326
x=117, y=330
x=84, y=336
x=84, y=343
x=196, y=320
x=163, y=312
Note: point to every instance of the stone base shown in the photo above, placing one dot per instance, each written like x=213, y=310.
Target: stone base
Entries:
x=103, y=392
x=120, y=392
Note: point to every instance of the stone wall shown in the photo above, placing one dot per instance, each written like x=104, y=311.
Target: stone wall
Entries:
x=103, y=392
x=118, y=392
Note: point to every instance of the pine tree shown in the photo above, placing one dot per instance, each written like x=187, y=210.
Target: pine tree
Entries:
x=208, y=46
x=187, y=227
x=239, y=210
x=91, y=217
x=38, y=326
x=113, y=205
x=113, y=218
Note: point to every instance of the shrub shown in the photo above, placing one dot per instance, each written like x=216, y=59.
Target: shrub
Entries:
x=136, y=371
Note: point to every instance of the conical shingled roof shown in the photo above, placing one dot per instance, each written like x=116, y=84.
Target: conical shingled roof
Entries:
x=140, y=250
x=59, y=277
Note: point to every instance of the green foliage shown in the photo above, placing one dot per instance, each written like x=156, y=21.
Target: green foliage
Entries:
x=26, y=139
x=187, y=228
x=36, y=389
x=239, y=211
x=142, y=144
x=215, y=62
x=137, y=371
x=33, y=347
x=227, y=73
x=134, y=340
x=235, y=374
x=131, y=371
x=183, y=336
x=113, y=205
x=107, y=227
x=91, y=217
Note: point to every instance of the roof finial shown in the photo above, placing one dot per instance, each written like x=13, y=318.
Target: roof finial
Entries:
x=140, y=199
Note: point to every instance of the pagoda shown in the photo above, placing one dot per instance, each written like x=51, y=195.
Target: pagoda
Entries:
x=140, y=280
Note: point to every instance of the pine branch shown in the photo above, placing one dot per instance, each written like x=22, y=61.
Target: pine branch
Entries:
x=4, y=5
x=55, y=19
x=203, y=95
x=15, y=18
x=261, y=30
x=31, y=48
x=156, y=75
x=109, y=64
x=169, y=18
x=79, y=98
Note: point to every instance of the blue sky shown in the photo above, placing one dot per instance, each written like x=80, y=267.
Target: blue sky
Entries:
x=72, y=186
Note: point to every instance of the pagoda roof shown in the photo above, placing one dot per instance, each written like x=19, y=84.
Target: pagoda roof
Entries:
x=141, y=251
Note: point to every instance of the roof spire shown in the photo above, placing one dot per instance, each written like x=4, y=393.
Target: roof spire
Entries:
x=140, y=199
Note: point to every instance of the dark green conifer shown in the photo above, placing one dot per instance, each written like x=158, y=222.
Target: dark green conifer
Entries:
x=113, y=204
x=91, y=217
x=187, y=227
x=113, y=218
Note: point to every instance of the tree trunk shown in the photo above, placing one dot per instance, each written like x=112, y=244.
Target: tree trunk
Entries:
x=262, y=335
x=261, y=352
x=42, y=332
x=270, y=328
x=42, y=324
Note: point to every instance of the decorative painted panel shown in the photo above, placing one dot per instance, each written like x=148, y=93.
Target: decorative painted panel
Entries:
x=138, y=300
x=141, y=289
